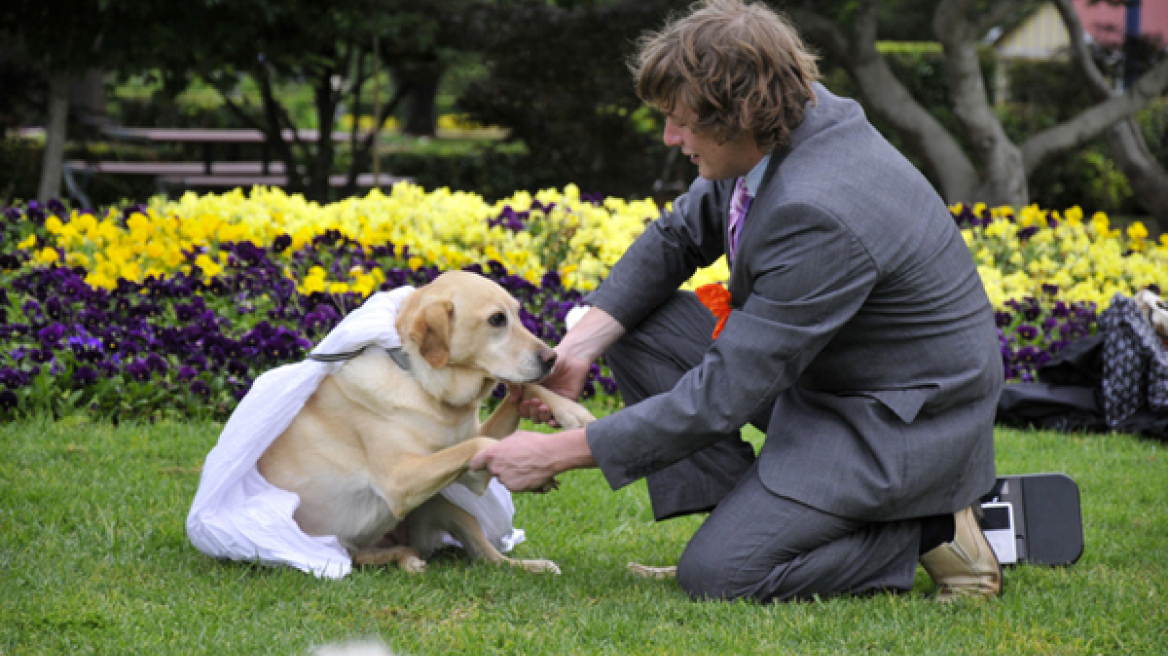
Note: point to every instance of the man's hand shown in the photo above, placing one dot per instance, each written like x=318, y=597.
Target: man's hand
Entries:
x=583, y=344
x=528, y=462
x=567, y=379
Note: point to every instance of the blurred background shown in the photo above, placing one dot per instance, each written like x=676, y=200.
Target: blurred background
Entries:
x=1058, y=103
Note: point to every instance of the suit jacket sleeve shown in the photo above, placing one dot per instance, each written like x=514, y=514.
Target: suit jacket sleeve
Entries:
x=808, y=275
x=667, y=254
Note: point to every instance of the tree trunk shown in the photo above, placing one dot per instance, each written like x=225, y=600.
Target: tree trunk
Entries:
x=362, y=155
x=53, y=161
x=1149, y=180
x=1004, y=179
x=320, y=165
x=422, y=79
x=87, y=99
x=275, y=121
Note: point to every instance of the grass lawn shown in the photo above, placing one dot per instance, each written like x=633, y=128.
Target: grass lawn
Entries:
x=94, y=559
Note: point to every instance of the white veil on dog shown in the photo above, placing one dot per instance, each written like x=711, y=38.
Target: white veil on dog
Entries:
x=239, y=515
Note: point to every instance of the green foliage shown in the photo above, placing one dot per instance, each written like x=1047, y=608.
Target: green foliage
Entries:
x=557, y=79
x=1087, y=178
x=144, y=100
x=1045, y=93
x=492, y=170
x=94, y=559
x=553, y=73
x=1050, y=91
x=905, y=20
x=284, y=65
x=1154, y=122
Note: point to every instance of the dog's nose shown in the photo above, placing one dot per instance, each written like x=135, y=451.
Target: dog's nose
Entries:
x=547, y=360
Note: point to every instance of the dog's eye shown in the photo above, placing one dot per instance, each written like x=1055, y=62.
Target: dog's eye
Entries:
x=498, y=320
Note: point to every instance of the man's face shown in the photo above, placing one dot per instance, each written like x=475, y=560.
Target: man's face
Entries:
x=715, y=161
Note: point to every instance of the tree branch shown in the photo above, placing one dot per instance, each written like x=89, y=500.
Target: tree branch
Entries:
x=274, y=130
x=1080, y=55
x=366, y=146
x=824, y=31
x=949, y=19
x=358, y=86
x=1093, y=122
x=1002, y=162
x=234, y=107
x=864, y=28
x=320, y=166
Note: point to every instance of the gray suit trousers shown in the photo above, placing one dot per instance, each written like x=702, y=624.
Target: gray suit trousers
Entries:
x=754, y=544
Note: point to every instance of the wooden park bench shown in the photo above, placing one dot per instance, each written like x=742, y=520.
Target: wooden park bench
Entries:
x=210, y=172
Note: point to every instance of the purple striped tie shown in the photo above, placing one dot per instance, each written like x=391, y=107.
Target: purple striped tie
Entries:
x=739, y=206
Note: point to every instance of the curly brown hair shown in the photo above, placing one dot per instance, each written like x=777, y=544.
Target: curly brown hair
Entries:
x=737, y=66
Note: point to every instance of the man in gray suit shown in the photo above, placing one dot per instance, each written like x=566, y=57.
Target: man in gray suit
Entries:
x=860, y=340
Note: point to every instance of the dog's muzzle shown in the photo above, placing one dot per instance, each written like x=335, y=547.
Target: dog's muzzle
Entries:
x=547, y=361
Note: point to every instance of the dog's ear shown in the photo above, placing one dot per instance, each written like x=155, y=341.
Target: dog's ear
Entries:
x=430, y=330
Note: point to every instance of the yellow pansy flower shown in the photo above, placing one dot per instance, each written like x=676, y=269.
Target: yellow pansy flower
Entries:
x=210, y=267
x=581, y=239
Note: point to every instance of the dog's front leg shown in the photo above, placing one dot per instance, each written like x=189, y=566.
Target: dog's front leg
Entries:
x=408, y=482
x=568, y=413
x=505, y=419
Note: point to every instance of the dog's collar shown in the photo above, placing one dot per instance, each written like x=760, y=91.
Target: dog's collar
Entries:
x=400, y=357
x=397, y=354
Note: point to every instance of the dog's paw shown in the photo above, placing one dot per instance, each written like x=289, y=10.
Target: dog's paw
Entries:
x=569, y=414
x=476, y=481
x=407, y=558
x=652, y=572
x=538, y=566
x=413, y=565
x=566, y=412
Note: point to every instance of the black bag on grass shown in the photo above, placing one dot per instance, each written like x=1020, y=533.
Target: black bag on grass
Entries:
x=1115, y=380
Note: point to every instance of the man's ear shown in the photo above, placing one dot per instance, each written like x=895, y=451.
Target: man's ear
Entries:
x=430, y=330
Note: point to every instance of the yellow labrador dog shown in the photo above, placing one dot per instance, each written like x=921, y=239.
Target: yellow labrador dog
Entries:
x=379, y=438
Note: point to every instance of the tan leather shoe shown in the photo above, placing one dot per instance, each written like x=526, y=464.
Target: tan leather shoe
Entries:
x=967, y=566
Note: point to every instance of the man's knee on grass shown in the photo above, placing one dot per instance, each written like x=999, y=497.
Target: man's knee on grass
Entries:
x=703, y=576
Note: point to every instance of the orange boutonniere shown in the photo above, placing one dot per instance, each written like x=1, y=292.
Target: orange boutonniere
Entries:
x=717, y=299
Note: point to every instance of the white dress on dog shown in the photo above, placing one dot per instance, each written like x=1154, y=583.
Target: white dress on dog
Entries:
x=239, y=515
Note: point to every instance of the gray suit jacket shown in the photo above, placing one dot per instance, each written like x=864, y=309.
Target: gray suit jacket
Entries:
x=859, y=317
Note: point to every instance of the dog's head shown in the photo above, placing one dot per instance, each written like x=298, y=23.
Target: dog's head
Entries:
x=463, y=320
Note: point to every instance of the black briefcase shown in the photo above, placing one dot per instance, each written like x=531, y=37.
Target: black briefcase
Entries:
x=1035, y=519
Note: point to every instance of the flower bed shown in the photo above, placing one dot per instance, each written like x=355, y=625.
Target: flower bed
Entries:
x=173, y=308
x=1049, y=274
